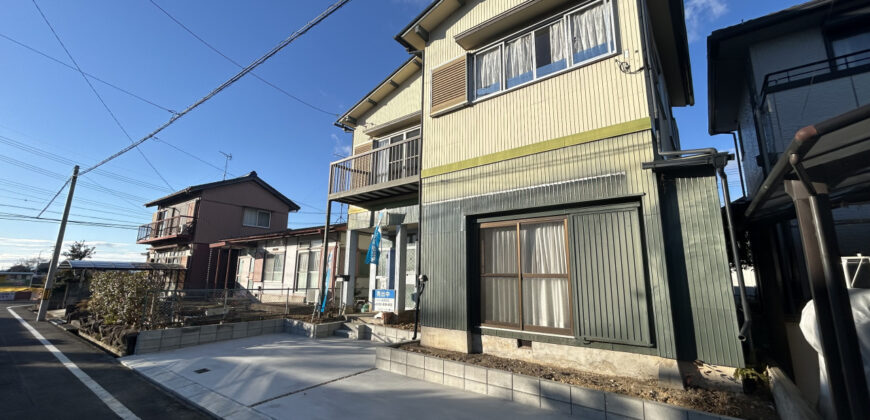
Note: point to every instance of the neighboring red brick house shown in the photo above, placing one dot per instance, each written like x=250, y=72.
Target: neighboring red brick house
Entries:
x=187, y=221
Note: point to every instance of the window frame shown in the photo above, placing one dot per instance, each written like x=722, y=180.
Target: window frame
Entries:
x=566, y=43
x=521, y=326
x=259, y=212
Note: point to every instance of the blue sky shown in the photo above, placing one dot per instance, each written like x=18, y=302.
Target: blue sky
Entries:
x=133, y=45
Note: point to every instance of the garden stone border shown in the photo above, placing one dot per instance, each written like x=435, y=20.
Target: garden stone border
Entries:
x=542, y=393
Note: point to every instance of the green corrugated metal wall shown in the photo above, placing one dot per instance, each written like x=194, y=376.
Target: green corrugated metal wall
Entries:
x=608, y=265
x=700, y=277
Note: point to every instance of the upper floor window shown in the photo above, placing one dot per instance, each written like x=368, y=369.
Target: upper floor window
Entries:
x=851, y=47
x=257, y=218
x=570, y=40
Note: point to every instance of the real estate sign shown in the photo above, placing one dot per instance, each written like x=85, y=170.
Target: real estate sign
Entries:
x=385, y=300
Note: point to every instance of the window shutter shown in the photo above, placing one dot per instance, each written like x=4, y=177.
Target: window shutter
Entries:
x=449, y=85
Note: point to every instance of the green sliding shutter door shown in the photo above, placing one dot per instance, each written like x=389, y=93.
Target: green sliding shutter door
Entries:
x=609, y=268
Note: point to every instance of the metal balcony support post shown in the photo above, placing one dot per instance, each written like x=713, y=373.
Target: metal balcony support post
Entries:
x=839, y=339
x=323, y=255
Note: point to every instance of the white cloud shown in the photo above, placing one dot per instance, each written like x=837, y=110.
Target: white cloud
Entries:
x=699, y=13
x=338, y=148
x=14, y=249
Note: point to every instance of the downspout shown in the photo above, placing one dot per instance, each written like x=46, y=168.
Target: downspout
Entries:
x=420, y=282
x=744, y=332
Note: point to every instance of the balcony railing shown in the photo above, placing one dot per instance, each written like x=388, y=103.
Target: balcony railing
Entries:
x=387, y=167
x=815, y=72
x=171, y=227
x=799, y=96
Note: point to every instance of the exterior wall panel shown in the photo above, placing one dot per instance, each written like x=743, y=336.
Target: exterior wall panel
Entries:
x=703, y=295
x=582, y=99
x=403, y=101
x=586, y=173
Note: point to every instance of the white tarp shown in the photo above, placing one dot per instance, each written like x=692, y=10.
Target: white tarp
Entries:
x=860, y=300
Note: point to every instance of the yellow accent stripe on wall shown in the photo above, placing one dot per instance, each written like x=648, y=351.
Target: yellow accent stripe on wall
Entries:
x=544, y=146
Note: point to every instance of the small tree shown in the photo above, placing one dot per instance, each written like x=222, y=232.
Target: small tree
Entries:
x=79, y=251
x=119, y=297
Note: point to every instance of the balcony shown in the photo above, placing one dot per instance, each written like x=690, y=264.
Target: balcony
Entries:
x=386, y=173
x=171, y=228
x=799, y=96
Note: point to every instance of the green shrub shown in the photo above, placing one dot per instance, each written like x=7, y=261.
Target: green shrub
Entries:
x=119, y=297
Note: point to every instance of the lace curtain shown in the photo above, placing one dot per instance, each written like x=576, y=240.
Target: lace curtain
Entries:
x=501, y=294
x=518, y=60
x=488, y=72
x=545, y=300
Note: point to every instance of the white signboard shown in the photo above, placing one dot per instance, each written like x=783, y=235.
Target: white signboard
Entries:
x=385, y=300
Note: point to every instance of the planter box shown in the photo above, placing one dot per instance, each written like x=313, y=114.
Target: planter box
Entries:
x=380, y=333
x=292, y=326
x=527, y=390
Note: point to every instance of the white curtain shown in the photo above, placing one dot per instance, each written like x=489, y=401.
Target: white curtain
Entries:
x=545, y=300
x=557, y=42
x=518, y=59
x=591, y=30
x=488, y=71
x=251, y=217
x=501, y=294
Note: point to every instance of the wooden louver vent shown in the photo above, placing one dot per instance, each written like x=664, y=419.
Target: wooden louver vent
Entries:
x=449, y=85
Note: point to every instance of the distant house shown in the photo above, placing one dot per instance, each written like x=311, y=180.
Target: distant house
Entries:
x=187, y=221
x=280, y=266
x=528, y=155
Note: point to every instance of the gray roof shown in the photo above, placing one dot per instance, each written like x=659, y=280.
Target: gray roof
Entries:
x=118, y=265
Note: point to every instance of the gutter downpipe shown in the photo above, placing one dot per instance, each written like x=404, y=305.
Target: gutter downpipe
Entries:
x=744, y=332
x=419, y=282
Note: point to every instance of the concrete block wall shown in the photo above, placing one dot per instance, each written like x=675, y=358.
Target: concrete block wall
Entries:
x=292, y=326
x=542, y=393
x=174, y=338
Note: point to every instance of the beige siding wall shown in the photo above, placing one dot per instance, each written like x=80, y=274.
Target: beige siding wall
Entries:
x=582, y=99
x=401, y=102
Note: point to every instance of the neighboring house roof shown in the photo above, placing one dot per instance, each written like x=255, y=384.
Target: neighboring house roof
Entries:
x=727, y=51
x=668, y=24
x=401, y=75
x=194, y=190
x=279, y=235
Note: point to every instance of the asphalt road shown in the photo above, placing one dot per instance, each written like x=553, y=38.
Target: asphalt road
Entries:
x=35, y=385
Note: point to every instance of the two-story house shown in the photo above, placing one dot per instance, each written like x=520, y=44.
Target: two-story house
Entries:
x=770, y=77
x=187, y=221
x=529, y=149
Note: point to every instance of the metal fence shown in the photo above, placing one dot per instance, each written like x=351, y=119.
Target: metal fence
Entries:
x=212, y=306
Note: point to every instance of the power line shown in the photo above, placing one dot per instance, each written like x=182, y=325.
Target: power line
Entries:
x=90, y=184
x=24, y=217
x=192, y=155
x=47, y=193
x=77, y=207
x=118, y=88
x=60, y=159
x=99, y=218
x=211, y=47
x=335, y=6
x=97, y=94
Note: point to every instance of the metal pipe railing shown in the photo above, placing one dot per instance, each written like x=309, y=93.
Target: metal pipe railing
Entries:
x=391, y=162
x=171, y=226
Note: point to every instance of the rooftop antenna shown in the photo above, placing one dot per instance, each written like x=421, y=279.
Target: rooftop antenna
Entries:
x=228, y=157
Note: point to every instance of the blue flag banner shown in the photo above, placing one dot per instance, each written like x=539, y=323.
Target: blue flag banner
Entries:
x=374, y=247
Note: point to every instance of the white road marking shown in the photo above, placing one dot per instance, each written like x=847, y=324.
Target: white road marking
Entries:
x=101, y=392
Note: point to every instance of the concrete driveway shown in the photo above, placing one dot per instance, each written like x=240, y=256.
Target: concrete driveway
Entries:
x=285, y=376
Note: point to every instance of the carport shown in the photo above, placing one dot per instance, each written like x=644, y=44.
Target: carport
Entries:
x=826, y=165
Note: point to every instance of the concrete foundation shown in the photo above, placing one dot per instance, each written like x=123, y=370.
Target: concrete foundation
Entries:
x=441, y=338
x=605, y=362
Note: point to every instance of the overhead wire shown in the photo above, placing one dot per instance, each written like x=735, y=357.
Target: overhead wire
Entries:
x=113, y=86
x=24, y=217
x=192, y=155
x=66, y=161
x=97, y=94
x=237, y=64
x=99, y=218
x=331, y=9
x=75, y=206
x=47, y=193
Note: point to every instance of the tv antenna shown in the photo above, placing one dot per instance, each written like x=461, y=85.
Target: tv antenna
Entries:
x=228, y=157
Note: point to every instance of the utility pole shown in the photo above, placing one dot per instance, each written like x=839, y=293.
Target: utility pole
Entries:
x=227, y=158
x=52, y=268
